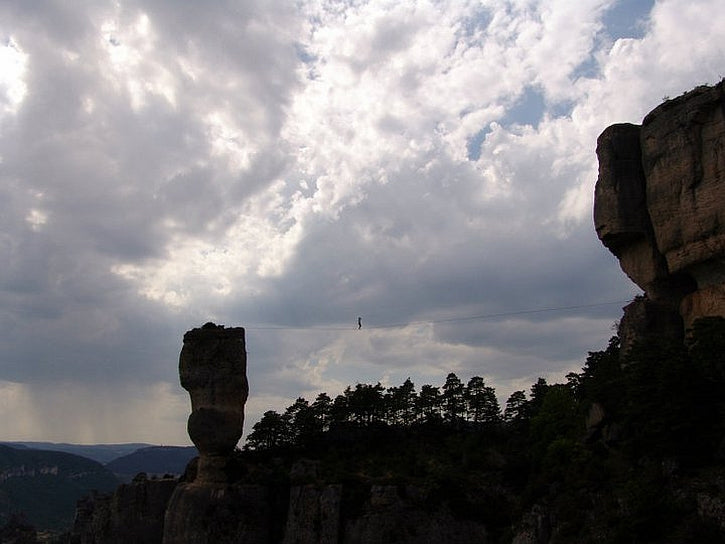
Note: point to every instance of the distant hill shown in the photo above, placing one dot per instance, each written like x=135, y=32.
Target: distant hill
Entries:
x=45, y=485
x=103, y=453
x=153, y=460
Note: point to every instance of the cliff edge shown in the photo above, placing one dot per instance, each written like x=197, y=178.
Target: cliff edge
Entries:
x=660, y=209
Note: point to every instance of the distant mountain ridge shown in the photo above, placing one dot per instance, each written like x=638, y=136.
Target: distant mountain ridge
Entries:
x=44, y=486
x=102, y=453
x=43, y=481
x=153, y=460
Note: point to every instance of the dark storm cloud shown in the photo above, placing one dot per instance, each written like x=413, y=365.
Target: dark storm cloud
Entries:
x=298, y=165
x=111, y=183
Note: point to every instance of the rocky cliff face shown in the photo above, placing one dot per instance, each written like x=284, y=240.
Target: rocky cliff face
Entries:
x=220, y=498
x=213, y=369
x=210, y=508
x=218, y=503
x=294, y=513
x=133, y=513
x=660, y=208
x=398, y=514
x=320, y=513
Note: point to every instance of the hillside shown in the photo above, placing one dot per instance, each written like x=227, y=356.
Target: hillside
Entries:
x=103, y=453
x=44, y=486
x=153, y=460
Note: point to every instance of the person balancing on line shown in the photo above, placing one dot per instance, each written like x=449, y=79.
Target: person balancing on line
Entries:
x=359, y=323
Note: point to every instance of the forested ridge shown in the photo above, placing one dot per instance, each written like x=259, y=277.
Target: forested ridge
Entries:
x=629, y=449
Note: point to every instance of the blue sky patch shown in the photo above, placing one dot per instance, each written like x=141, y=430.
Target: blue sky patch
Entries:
x=626, y=19
x=527, y=110
x=473, y=146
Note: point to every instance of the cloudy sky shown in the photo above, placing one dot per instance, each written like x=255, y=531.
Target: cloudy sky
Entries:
x=289, y=166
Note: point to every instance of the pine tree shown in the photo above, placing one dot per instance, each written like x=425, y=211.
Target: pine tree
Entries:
x=428, y=405
x=481, y=403
x=517, y=408
x=454, y=405
x=269, y=432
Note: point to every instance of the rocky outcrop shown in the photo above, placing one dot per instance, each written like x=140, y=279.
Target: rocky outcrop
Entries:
x=399, y=514
x=322, y=513
x=213, y=369
x=212, y=507
x=223, y=497
x=534, y=527
x=314, y=514
x=133, y=513
x=220, y=514
x=660, y=208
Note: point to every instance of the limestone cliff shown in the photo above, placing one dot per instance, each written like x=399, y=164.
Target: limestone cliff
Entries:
x=221, y=501
x=660, y=209
x=213, y=369
x=530, y=481
x=209, y=508
x=133, y=513
x=224, y=497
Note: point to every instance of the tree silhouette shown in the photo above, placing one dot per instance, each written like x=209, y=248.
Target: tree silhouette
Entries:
x=365, y=403
x=401, y=404
x=302, y=423
x=517, y=408
x=429, y=404
x=322, y=411
x=268, y=433
x=538, y=393
x=481, y=403
x=340, y=410
x=454, y=404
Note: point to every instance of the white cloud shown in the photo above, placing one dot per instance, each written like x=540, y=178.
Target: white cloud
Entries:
x=12, y=70
x=262, y=164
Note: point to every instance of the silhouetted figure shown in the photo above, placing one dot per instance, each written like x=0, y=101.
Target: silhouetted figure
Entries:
x=359, y=323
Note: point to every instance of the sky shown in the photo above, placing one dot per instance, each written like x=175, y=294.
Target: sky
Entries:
x=290, y=166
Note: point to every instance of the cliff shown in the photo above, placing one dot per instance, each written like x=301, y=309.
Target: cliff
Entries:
x=651, y=468
x=289, y=511
x=132, y=513
x=226, y=496
x=224, y=499
x=660, y=209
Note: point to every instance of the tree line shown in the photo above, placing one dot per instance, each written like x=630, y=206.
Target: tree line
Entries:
x=454, y=403
x=618, y=452
x=663, y=396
